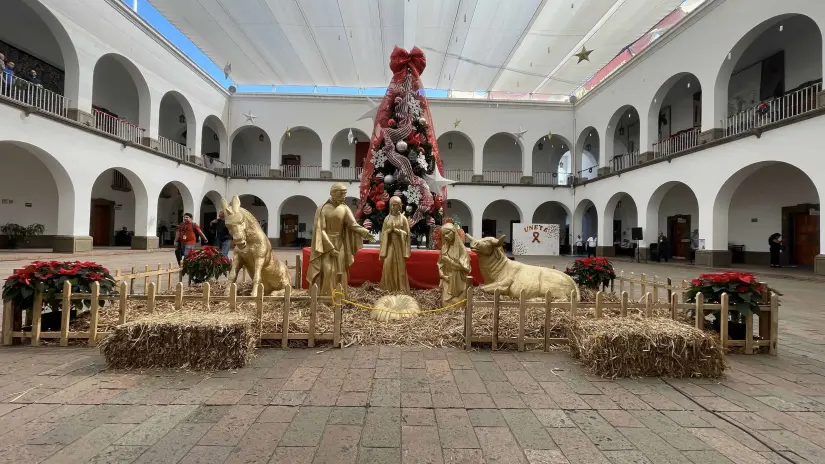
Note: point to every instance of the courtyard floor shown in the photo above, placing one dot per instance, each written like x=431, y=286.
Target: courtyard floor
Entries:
x=412, y=405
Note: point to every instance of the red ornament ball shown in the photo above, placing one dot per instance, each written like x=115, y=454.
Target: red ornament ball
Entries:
x=380, y=204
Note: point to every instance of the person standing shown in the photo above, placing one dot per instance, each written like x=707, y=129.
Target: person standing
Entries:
x=223, y=239
x=694, y=245
x=775, y=244
x=579, y=245
x=187, y=235
x=34, y=79
x=664, y=248
x=591, y=246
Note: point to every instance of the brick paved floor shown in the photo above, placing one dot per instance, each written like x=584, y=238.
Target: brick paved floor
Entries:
x=388, y=405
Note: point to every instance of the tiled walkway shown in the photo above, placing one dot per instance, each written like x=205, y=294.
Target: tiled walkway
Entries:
x=388, y=405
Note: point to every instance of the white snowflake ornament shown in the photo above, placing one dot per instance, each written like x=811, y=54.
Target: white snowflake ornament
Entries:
x=379, y=158
x=412, y=194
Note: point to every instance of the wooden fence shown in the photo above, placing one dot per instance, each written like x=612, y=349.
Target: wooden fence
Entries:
x=651, y=290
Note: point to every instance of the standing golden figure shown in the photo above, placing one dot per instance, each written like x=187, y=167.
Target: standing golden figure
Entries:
x=453, y=265
x=252, y=250
x=395, y=249
x=336, y=237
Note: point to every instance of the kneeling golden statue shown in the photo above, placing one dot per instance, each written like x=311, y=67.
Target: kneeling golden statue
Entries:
x=253, y=250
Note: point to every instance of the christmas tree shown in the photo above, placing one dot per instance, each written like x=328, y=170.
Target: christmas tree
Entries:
x=403, y=159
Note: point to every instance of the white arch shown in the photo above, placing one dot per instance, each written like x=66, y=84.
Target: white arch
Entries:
x=619, y=121
x=505, y=139
x=216, y=125
x=144, y=109
x=658, y=101
x=250, y=134
x=587, y=159
x=189, y=114
x=455, y=207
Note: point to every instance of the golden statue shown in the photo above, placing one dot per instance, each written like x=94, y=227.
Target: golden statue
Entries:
x=336, y=237
x=511, y=277
x=453, y=265
x=395, y=249
x=252, y=250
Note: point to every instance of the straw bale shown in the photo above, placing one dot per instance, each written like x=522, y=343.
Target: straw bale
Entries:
x=645, y=347
x=185, y=339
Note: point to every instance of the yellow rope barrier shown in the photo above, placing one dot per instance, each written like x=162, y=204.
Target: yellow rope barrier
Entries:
x=369, y=308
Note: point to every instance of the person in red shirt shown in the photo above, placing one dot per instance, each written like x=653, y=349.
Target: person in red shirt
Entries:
x=187, y=234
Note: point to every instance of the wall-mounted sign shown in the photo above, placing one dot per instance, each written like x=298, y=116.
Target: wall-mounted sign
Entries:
x=7, y=201
x=118, y=207
x=536, y=239
x=28, y=205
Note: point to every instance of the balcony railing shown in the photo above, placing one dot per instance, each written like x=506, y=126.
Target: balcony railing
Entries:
x=300, y=172
x=249, y=170
x=680, y=142
x=549, y=178
x=625, y=161
x=459, y=175
x=502, y=177
x=35, y=95
x=769, y=112
x=118, y=127
x=172, y=148
x=346, y=173
x=211, y=163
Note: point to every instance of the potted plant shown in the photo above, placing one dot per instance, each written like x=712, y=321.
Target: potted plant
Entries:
x=744, y=297
x=49, y=277
x=17, y=234
x=592, y=273
x=205, y=264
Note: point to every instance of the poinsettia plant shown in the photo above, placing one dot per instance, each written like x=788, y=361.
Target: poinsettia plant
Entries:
x=592, y=272
x=744, y=291
x=49, y=277
x=205, y=264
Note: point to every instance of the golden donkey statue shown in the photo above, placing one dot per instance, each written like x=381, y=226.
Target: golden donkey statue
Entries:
x=511, y=277
x=253, y=250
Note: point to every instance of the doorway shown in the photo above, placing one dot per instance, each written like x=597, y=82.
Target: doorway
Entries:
x=102, y=222
x=289, y=229
x=488, y=227
x=678, y=228
x=805, y=238
x=361, y=150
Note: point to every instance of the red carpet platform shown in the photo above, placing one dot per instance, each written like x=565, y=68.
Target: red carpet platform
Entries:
x=422, y=268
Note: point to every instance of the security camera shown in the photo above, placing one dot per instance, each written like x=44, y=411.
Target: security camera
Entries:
x=232, y=89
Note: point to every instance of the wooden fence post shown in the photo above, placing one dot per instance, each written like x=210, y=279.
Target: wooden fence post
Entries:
x=700, y=311
x=37, y=313
x=521, y=316
x=723, y=326
x=150, y=297
x=313, y=310
x=66, y=310
x=547, y=302
x=574, y=296
x=496, y=302
x=285, y=317
x=669, y=289
x=169, y=278
x=233, y=296
x=625, y=299
x=337, y=316
x=299, y=273
x=132, y=281
x=673, y=303
x=643, y=280
x=259, y=309
x=468, y=316
x=157, y=279
x=207, y=290
x=648, y=305
x=655, y=290
x=94, y=314
x=774, y=331
x=621, y=282
x=178, y=296
x=123, y=304
x=146, y=279
x=749, y=333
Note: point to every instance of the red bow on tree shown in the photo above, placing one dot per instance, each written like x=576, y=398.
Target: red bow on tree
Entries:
x=414, y=59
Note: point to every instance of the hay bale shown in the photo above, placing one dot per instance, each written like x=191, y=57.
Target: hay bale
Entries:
x=645, y=347
x=185, y=339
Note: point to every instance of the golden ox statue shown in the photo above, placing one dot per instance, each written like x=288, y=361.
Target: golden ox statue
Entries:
x=253, y=250
x=511, y=277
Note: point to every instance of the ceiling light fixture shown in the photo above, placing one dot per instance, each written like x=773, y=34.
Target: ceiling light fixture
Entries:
x=781, y=28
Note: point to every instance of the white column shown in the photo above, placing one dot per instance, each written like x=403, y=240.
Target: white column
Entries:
x=149, y=113
x=78, y=87
x=194, y=134
x=713, y=223
x=73, y=211
x=608, y=141
x=527, y=161
x=276, y=147
x=478, y=155
x=475, y=229
x=326, y=155
x=714, y=105
x=645, y=141
x=146, y=210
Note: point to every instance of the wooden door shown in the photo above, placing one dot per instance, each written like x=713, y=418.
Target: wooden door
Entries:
x=361, y=150
x=806, y=239
x=289, y=229
x=101, y=223
x=680, y=237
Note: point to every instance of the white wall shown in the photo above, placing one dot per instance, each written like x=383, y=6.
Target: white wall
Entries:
x=114, y=90
x=21, y=172
x=458, y=157
x=247, y=148
x=502, y=153
x=762, y=196
x=124, y=201
x=306, y=144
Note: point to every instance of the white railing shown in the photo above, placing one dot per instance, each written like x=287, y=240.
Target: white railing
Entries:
x=35, y=95
x=625, y=161
x=172, y=148
x=679, y=142
x=118, y=127
x=249, y=170
x=769, y=112
x=502, y=177
x=548, y=178
x=301, y=172
x=211, y=163
x=459, y=175
x=346, y=173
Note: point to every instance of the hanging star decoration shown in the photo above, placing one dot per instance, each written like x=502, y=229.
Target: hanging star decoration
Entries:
x=350, y=137
x=436, y=181
x=250, y=117
x=456, y=123
x=371, y=113
x=287, y=133
x=583, y=55
x=227, y=70
x=549, y=135
x=520, y=134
